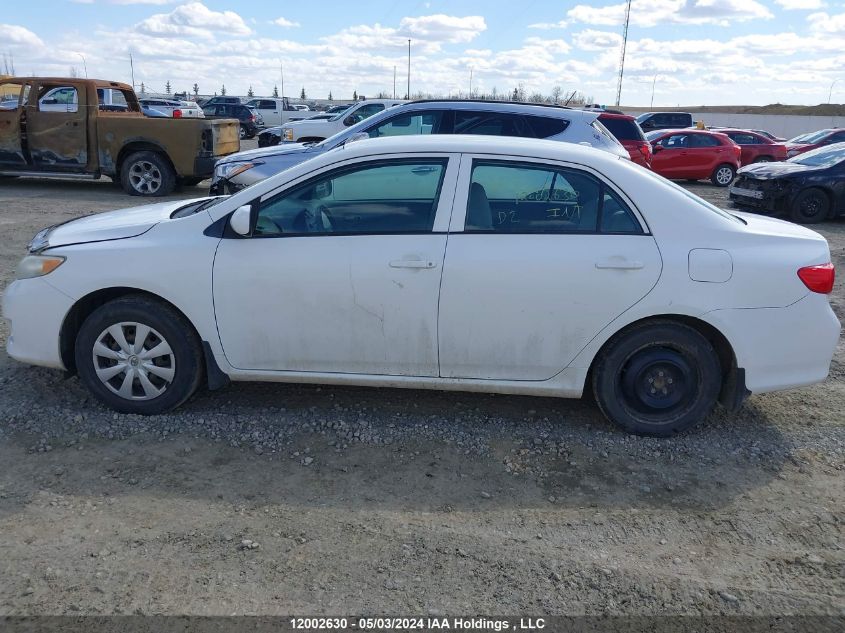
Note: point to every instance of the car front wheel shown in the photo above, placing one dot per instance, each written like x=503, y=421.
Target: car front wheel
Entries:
x=659, y=378
x=723, y=175
x=138, y=355
x=810, y=206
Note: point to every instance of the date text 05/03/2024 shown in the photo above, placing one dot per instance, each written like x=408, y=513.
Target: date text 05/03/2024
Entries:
x=418, y=624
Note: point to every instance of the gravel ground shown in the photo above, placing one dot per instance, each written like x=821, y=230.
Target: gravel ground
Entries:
x=279, y=499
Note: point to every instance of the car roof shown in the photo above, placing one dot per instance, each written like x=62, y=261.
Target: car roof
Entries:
x=473, y=144
x=516, y=107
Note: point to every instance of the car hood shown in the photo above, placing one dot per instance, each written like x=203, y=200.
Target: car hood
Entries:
x=265, y=152
x=765, y=171
x=111, y=225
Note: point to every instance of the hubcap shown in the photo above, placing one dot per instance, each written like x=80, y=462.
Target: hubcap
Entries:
x=811, y=206
x=657, y=380
x=134, y=361
x=145, y=177
x=724, y=175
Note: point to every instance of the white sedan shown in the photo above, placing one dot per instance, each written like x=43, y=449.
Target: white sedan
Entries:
x=441, y=262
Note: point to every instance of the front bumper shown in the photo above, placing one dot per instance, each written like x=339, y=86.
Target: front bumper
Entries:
x=35, y=311
x=769, y=199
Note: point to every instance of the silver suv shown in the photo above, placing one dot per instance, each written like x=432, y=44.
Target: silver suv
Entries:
x=495, y=118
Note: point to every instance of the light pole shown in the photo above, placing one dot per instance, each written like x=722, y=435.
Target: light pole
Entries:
x=84, y=65
x=394, y=82
x=470, y=82
x=409, y=70
x=830, y=92
x=653, y=81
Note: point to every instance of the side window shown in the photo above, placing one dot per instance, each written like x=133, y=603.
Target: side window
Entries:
x=837, y=138
x=426, y=122
x=265, y=104
x=507, y=198
x=681, y=120
x=365, y=112
x=744, y=139
x=661, y=120
x=10, y=96
x=490, y=123
x=703, y=140
x=394, y=197
x=209, y=110
x=616, y=217
x=64, y=99
x=674, y=141
x=544, y=127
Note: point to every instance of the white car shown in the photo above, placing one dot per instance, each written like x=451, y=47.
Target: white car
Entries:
x=314, y=131
x=175, y=108
x=470, y=263
x=276, y=111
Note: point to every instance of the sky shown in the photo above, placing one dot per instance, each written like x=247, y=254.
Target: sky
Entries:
x=680, y=52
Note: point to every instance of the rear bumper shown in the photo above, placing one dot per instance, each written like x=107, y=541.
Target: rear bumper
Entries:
x=35, y=311
x=781, y=348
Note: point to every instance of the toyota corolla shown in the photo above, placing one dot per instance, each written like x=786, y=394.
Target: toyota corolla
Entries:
x=472, y=263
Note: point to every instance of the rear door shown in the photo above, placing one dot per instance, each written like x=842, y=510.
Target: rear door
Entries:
x=13, y=97
x=540, y=258
x=56, y=126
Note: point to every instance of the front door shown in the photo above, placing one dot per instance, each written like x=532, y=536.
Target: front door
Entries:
x=671, y=156
x=341, y=274
x=546, y=258
x=56, y=127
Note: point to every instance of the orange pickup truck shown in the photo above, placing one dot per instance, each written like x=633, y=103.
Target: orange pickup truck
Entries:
x=87, y=128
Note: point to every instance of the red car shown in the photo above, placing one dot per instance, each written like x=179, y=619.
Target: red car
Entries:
x=812, y=140
x=628, y=132
x=756, y=148
x=694, y=155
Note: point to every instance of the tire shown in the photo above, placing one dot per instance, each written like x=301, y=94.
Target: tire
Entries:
x=243, y=132
x=104, y=364
x=764, y=159
x=723, y=175
x=147, y=174
x=666, y=356
x=810, y=206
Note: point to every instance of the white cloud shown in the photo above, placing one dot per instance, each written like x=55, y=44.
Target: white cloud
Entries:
x=19, y=37
x=827, y=24
x=443, y=28
x=193, y=19
x=285, y=23
x=590, y=40
x=801, y=5
x=547, y=26
x=653, y=12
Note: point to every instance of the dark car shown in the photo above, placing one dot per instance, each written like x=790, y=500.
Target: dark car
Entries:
x=664, y=120
x=222, y=100
x=270, y=136
x=813, y=140
x=249, y=119
x=808, y=188
x=628, y=132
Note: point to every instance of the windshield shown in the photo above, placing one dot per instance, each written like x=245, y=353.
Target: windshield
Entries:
x=643, y=117
x=811, y=137
x=651, y=136
x=821, y=157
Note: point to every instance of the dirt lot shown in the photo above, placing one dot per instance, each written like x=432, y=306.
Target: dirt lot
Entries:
x=373, y=501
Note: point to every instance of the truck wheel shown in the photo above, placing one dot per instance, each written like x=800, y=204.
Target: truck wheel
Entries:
x=147, y=174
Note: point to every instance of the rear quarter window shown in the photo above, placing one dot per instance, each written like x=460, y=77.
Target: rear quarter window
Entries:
x=544, y=127
x=623, y=129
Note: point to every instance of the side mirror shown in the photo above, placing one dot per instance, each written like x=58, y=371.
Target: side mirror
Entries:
x=657, y=148
x=241, y=220
x=358, y=136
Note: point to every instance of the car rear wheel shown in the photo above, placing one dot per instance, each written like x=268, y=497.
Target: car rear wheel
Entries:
x=723, y=175
x=659, y=379
x=810, y=206
x=243, y=133
x=764, y=159
x=138, y=355
x=147, y=174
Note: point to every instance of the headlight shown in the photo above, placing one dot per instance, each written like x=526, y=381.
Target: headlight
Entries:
x=230, y=170
x=288, y=134
x=37, y=266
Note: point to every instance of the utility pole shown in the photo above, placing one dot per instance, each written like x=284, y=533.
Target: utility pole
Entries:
x=653, y=81
x=624, y=44
x=394, y=81
x=470, y=82
x=282, y=72
x=132, y=69
x=830, y=92
x=409, y=69
x=84, y=65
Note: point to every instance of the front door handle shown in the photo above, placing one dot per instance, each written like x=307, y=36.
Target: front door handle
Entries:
x=618, y=263
x=412, y=263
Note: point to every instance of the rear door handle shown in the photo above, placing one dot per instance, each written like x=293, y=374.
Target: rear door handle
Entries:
x=412, y=263
x=614, y=263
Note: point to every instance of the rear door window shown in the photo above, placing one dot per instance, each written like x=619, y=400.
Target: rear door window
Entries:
x=490, y=123
x=744, y=139
x=10, y=96
x=703, y=140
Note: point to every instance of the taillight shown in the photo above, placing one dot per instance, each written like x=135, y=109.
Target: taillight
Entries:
x=818, y=278
x=252, y=117
x=177, y=114
x=645, y=148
